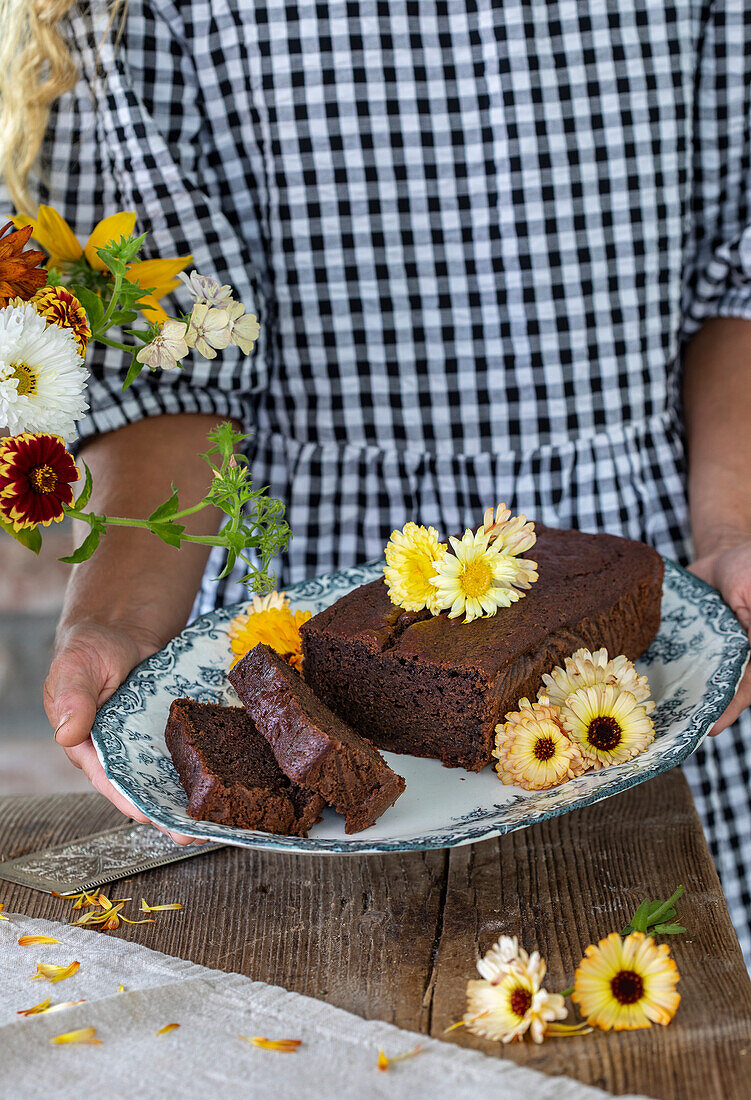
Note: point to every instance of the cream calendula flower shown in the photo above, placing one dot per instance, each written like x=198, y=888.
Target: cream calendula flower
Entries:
x=504, y=1010
x=167, y=348
x=532, y=749
x=42, y=374
x=506, y=955
x=265, y=603
x=513, y=534
x=609, y=725
x=585, y=669
x=411, y=556
x=208, y=330
x=477, y=578
x=626, y=984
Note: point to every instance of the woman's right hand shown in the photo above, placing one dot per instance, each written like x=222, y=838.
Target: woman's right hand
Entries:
x=91, y=661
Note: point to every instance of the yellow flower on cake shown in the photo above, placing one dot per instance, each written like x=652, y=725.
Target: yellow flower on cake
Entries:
x=478, y=578
x=411, y=556
x=585, y=669
x=532, y=749
x=626, y=984
x=510, y=1000
x=608, y=725
x=271, y=621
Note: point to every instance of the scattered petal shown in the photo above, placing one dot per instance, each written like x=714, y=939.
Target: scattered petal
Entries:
x=45, y=1006
x=384, y=1062
x=121, y=989
x=284, y=1046
x=80, y=1035
x=146, y=908
x=166, y=1028
x=32, y=941
x=53, y=973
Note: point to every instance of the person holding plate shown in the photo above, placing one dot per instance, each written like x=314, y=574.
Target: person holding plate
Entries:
x=497, y=252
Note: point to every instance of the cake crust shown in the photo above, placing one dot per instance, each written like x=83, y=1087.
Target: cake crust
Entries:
x=313, y=746
x=229, y=772
x=436, y=687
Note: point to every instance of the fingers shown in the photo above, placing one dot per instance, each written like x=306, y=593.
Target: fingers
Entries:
x=71, y=698
x=84, y=757
x=741, y=700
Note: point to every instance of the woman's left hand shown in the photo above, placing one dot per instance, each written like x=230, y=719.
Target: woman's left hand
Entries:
x=729, y=571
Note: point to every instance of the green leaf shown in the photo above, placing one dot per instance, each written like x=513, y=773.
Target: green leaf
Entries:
x=85, y=494
x=87, y=547
x=134, y=370
x=112, y=262
x=662, y=911
x=641, y=917
x=668, y=929
x=30, y=537
x=171, y=533
x=120, y=317
x=92, y=303
x=168, y=509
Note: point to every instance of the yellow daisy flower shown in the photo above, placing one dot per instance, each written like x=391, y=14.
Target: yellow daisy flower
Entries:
x=56, y=237
x=626, y=984
x=411, y=555
x=506, y=1009
x=609, y=725
x=276, y=626
x=585, y=669
x=478, y=578
x=532, y=749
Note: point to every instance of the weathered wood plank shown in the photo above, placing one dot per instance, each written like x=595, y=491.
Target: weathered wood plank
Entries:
x=396, y=937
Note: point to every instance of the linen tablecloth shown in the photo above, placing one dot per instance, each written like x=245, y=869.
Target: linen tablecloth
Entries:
x=337, y=1058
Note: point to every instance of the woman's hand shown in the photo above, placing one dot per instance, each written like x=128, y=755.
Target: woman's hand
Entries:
x=729, y=571
x=91, y=661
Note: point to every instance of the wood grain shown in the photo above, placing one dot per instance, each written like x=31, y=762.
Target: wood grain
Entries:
x=396, y=937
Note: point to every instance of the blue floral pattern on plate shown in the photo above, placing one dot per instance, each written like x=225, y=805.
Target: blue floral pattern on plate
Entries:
x=694, y=666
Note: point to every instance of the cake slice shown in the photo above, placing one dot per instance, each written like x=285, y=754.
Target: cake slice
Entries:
x=229, y=772
x=312, y=746
x=436, y=687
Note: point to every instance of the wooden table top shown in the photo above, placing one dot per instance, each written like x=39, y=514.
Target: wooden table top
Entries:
x=395, y=937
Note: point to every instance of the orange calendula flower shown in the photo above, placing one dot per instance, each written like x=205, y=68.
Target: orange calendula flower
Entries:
x=167, y=1028
x=2, y=917
x=384, y=1062
x=276, y=627
x=53, y=973
x=54, y=234
x=47, y=1006
x=80, y=1035
x=20, y=273
x=36, y=474
x=627, y=984
x=59, y=307
x=283, y=1046
x=32, y=941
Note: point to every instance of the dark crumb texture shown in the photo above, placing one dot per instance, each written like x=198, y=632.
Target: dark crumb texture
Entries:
x=229, y=772
x=312, y=745
x=436, y=687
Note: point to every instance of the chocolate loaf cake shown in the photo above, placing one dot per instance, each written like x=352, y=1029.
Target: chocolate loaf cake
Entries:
x=229, y=772
x=313, y=746
x=434, y=686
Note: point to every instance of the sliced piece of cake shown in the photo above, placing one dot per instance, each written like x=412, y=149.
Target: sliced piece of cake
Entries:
x=229, y=772
x=312, y=746
x=434, y=686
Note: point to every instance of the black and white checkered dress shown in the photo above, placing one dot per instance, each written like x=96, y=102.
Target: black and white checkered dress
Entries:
x=476, y=234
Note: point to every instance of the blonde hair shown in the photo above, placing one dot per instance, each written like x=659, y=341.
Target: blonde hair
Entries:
x=36, y=68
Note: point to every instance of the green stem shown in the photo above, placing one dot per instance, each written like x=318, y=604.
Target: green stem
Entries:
x=144, y=524
x=115, y=344
x=567, y=992
x=104, y=325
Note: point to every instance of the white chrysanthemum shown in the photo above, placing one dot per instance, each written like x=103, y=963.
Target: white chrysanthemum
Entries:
x=42, y=374
x=585, y=669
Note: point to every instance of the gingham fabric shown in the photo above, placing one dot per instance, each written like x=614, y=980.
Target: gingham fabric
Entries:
x=476, y=235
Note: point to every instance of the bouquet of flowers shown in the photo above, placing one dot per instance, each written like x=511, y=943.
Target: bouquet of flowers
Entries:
x=53, y=305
